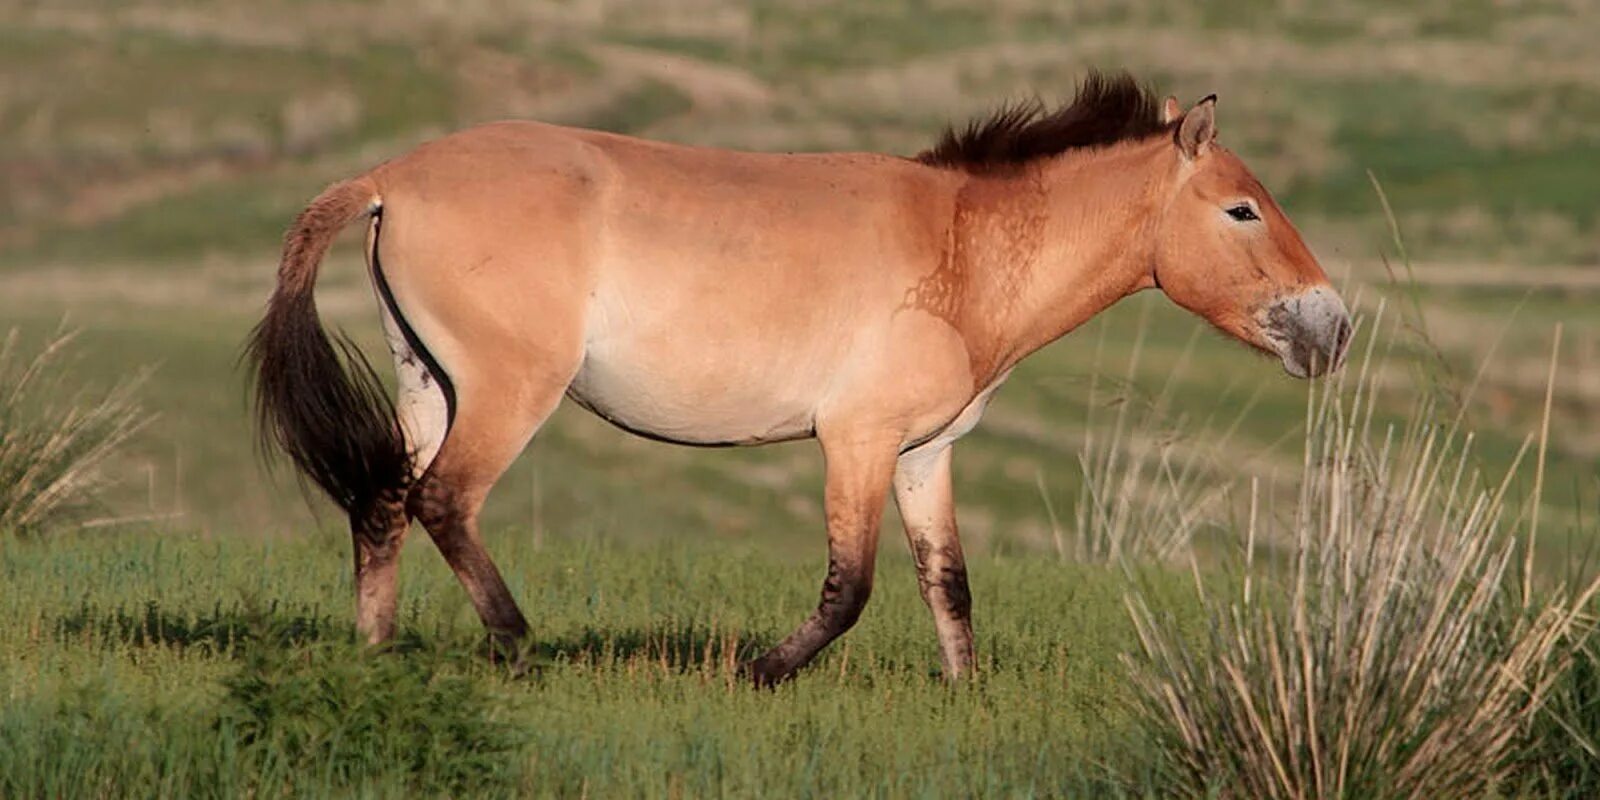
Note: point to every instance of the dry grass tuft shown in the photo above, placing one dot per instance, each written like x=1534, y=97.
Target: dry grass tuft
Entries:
x=1390, y=654
x=54, y=441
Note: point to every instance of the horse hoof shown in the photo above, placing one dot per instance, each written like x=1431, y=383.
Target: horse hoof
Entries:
x=763, y=674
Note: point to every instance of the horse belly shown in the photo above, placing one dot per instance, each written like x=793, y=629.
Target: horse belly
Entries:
x=680, y=403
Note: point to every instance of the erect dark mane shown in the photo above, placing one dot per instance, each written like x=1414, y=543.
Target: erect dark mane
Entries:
x=1106, y=109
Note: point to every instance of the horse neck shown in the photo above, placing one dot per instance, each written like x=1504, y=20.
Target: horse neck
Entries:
x=1058, y=243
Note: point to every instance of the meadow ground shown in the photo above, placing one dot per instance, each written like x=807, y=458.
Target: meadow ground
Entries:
x=151, y=153
x=182, y=666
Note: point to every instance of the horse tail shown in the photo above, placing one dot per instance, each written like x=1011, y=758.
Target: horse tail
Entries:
x=318, y=399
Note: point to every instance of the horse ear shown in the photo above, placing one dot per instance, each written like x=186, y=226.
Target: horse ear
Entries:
x=1170, y=111
x=1199, y=128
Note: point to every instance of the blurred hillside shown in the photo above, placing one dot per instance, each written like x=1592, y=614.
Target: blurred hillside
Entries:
x=151, y=154
x=134, y=130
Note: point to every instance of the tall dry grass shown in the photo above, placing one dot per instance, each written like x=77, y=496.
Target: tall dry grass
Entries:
x=1380, y=642
x=55, y=439
x=1149, y=479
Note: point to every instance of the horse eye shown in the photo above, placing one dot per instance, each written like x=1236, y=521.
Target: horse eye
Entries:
x=1242, y=213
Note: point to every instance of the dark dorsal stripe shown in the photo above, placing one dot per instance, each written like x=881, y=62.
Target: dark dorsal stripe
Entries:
x=1105, y=110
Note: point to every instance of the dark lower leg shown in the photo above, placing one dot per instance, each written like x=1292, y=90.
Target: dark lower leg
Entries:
x=451, y=519
x=942, y=576
x=923, y=491
x=844, y=594
x=857, y=482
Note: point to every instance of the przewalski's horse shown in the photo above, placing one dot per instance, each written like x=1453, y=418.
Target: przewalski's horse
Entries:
x=708, y=297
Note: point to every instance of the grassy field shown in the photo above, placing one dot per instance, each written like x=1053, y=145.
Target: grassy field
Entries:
x=179, y=666
x=152, y=152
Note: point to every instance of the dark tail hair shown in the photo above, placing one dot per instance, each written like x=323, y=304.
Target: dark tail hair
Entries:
x=319, y=401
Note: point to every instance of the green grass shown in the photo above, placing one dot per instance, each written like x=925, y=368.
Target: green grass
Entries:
x=174, y=665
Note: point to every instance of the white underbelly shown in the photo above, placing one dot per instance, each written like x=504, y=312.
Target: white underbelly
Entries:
x=691, y=406
x=692, y=362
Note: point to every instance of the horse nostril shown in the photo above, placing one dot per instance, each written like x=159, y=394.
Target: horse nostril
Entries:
x=1341, y=337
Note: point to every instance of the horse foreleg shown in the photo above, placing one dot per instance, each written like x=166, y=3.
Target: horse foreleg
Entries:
x=922, y=490
x=858, y=475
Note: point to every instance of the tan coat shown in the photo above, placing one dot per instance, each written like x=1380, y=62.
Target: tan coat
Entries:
x=710, y=297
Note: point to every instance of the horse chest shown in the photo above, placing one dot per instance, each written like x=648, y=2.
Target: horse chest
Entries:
x=964, y=421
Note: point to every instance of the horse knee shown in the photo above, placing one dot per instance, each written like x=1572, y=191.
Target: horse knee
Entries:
x=437, y=504
x=449, y=515
x=844, y=597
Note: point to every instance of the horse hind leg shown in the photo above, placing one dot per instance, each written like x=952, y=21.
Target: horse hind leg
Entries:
x=423, y=406
x=465, y=424
x=490, y=428
x=378, y=532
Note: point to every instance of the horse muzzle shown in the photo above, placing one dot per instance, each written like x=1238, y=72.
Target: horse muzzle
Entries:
x=1309, y=331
